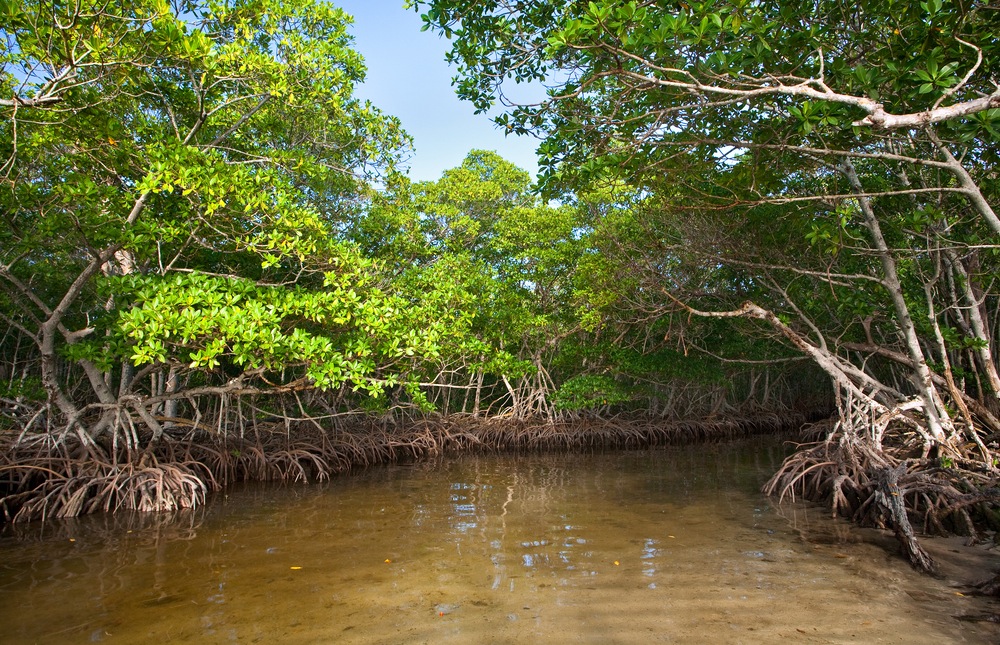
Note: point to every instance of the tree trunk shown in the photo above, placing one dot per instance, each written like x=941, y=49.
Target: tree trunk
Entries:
x=976, y=322
x=889, y=499
x=938, y=423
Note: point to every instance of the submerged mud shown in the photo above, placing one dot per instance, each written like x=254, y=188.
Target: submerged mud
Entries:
x=672, y=545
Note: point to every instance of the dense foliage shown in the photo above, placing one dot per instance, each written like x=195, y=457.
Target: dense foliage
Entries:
x=199, y=212
x=175, y=177
x=742, y=207
x=827, y=169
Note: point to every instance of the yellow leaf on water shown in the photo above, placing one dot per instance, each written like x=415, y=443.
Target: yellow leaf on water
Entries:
x=296, y=568
x=617, y=563
x=388, y=561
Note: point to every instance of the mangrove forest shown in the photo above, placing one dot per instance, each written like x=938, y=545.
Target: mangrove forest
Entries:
x=749, y=218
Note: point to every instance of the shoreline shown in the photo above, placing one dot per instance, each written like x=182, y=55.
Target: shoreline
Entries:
x=45, y=480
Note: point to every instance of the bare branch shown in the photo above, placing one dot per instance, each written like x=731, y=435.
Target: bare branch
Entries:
x=877, y=117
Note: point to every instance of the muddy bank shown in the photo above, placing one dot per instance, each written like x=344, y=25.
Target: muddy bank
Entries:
x=962, y=564
x=965, y=564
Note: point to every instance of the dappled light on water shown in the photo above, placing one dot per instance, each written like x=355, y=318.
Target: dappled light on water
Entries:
x=673, y=545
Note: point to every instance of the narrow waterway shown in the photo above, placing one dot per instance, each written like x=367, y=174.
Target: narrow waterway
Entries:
x=673, y=545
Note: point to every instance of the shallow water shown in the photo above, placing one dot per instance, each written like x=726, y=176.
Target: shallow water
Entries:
x=665, y=546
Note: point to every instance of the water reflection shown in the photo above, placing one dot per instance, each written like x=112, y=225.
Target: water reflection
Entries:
x=675, y=545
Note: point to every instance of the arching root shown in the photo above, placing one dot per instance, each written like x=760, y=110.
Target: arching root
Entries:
x=892, y=486
x=41, y=479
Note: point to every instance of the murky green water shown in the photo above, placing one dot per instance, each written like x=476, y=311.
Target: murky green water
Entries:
x=663, y=546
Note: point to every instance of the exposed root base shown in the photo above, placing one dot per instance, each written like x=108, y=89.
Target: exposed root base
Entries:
x=889, y=487
x=39, y=480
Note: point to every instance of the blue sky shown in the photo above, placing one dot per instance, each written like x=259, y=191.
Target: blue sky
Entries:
x=408, y=78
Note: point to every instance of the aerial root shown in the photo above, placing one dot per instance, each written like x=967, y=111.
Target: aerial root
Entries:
x=68, y=487
x=41, y=479
x=891, y=487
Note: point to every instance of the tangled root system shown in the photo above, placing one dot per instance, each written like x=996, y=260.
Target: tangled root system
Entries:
x=42, y=479
x=892, y=486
